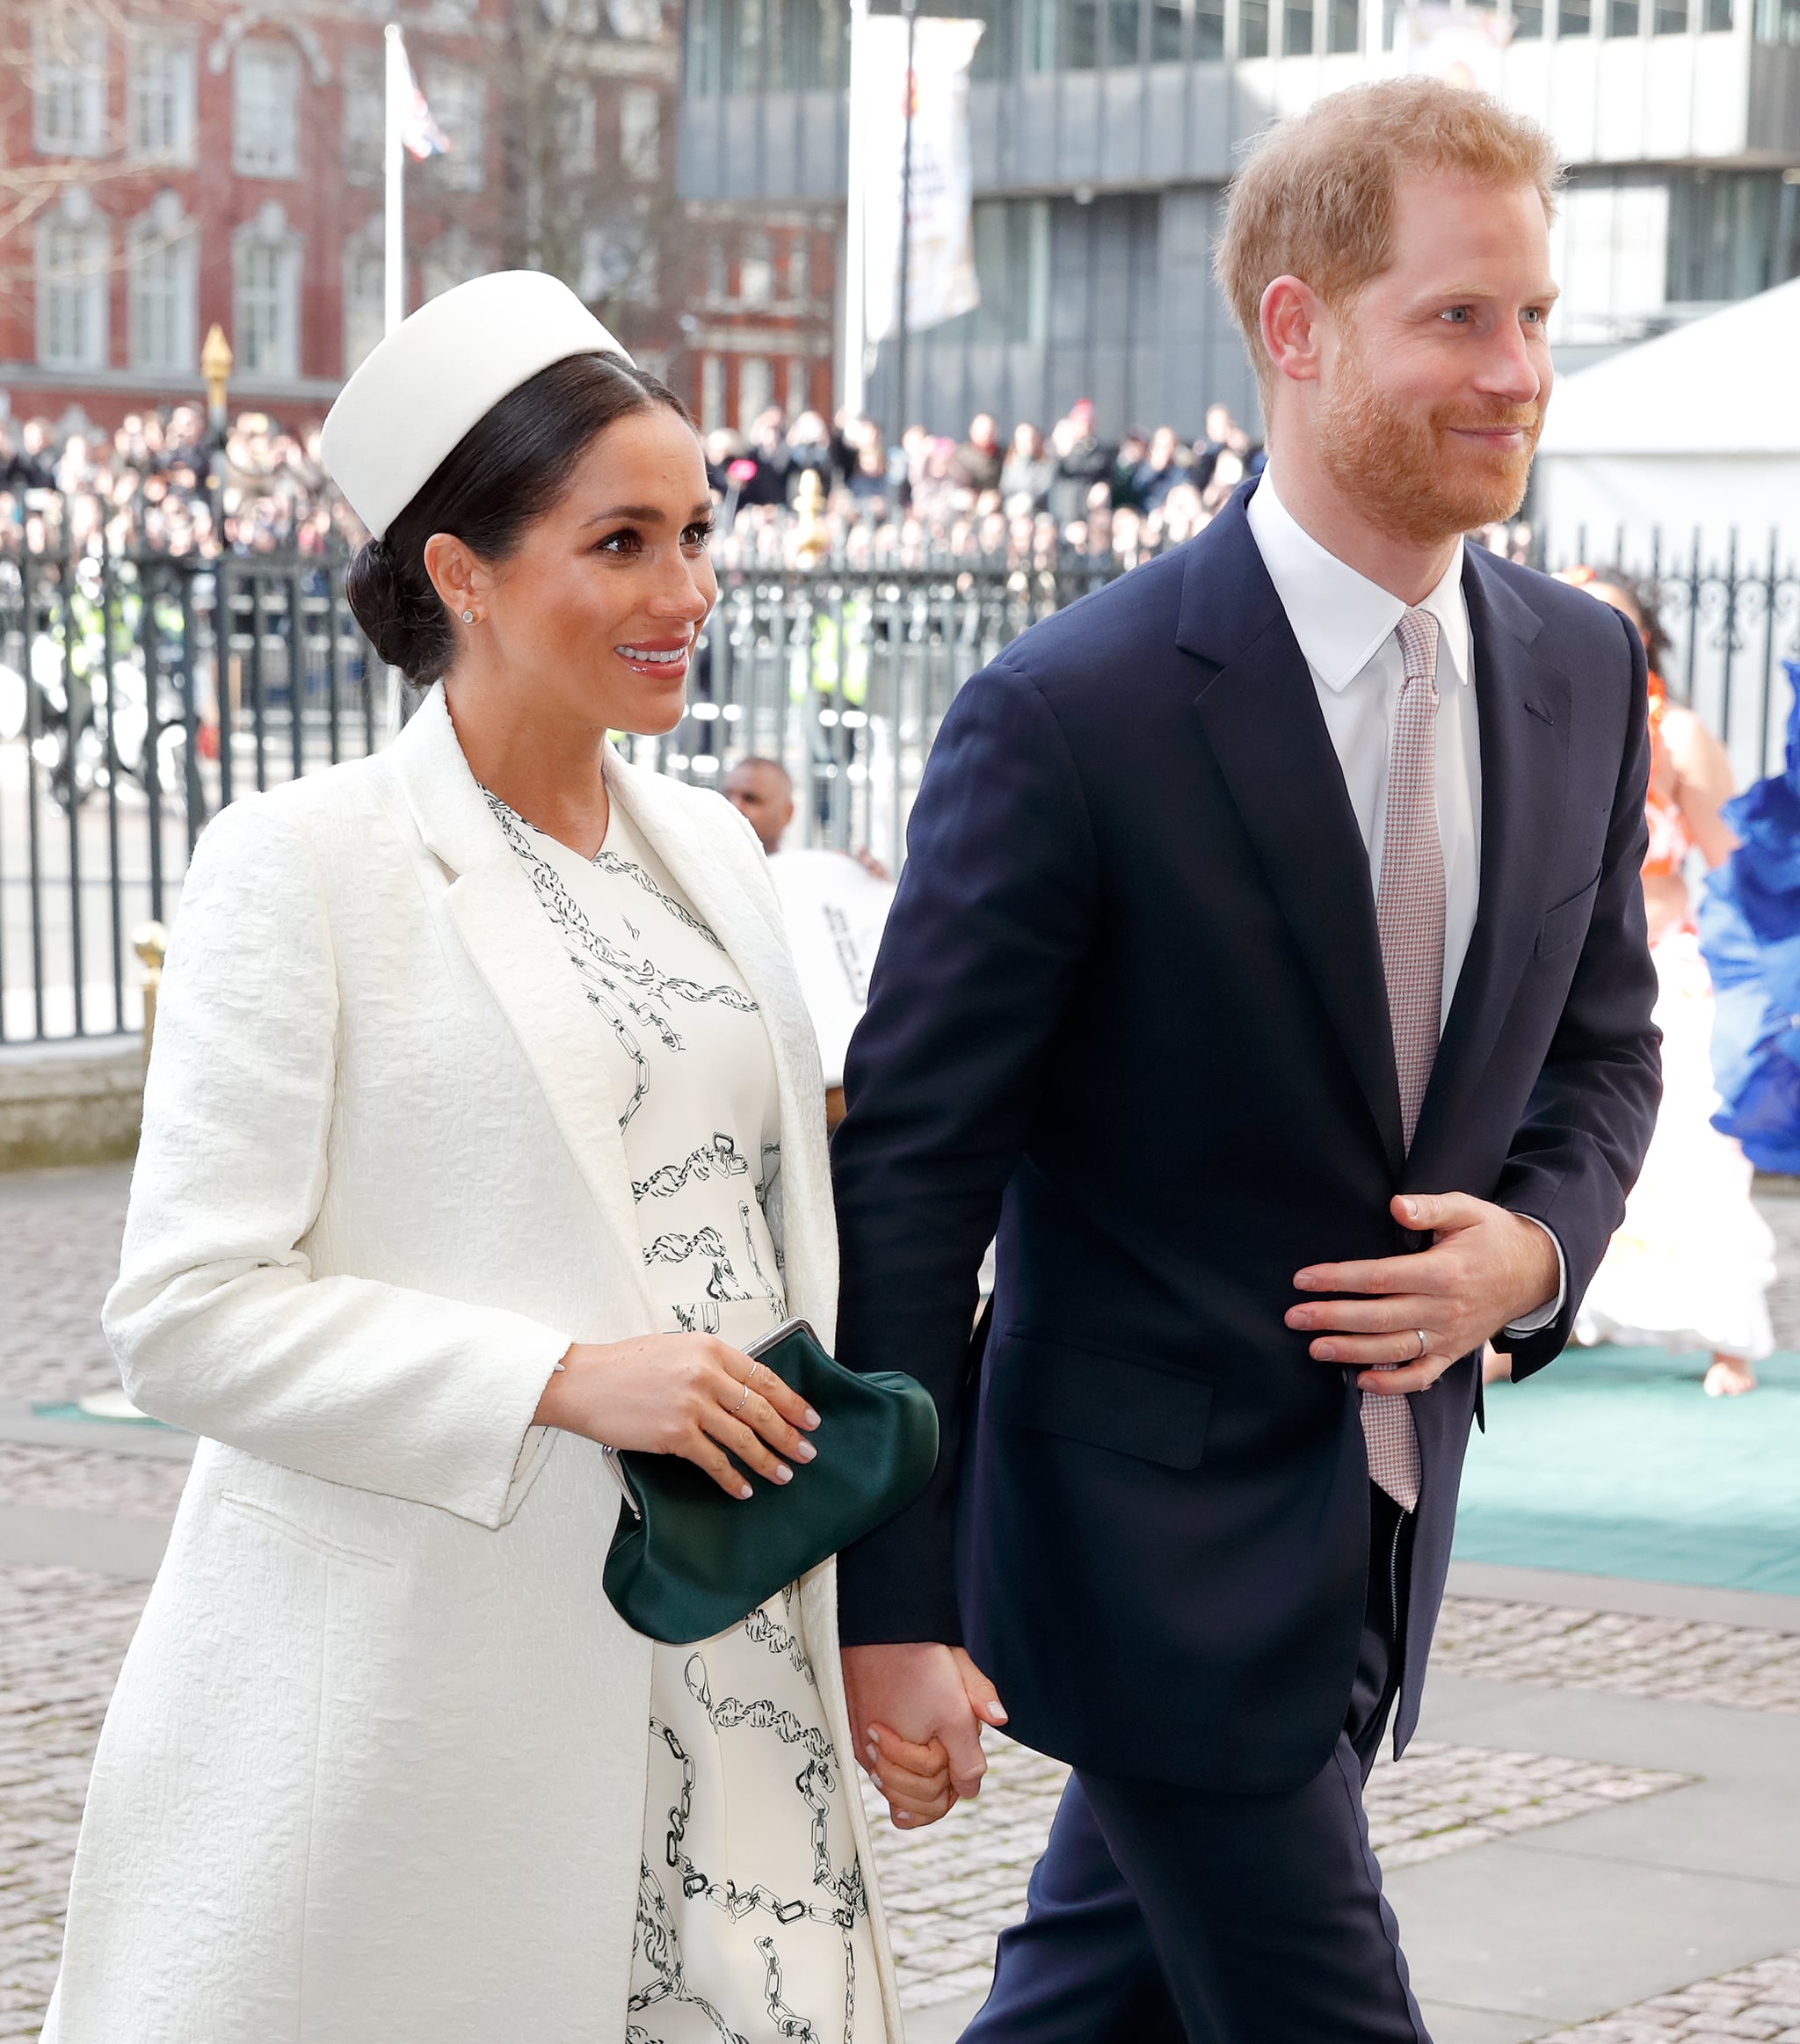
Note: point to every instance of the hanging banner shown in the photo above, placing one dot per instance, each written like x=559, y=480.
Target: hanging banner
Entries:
x=941, y=253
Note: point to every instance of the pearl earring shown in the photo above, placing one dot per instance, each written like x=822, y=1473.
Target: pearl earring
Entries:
x=468, y=617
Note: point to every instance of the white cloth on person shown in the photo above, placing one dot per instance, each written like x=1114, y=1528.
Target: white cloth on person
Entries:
x=418, y=391
x=1691, y=1263
x=376, y=1762
x=751, y=1911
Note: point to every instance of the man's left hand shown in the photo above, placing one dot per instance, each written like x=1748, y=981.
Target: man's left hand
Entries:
x=1485, y=1269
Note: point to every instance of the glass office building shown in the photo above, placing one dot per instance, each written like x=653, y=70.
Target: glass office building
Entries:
x=1104, y=131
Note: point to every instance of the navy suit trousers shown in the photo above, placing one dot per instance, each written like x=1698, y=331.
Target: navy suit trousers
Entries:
x=1162, y=1915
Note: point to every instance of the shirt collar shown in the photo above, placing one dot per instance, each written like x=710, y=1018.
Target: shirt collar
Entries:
x=1339, y=617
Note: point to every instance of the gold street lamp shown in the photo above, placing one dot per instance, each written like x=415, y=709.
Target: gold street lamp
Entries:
x=215, y=368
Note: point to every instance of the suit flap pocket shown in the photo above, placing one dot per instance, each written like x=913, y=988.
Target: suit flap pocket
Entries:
x=1134, y=1407
x=1568, y=921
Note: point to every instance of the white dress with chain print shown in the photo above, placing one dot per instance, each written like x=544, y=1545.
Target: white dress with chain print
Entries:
x=751, y=1919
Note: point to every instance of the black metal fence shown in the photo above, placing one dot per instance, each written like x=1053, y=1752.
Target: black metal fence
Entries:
x=139, y=694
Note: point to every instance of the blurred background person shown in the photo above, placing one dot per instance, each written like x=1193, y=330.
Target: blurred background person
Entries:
x=1691, y=1265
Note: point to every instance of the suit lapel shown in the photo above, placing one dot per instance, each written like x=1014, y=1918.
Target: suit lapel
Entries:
x=1261, y=717
x=1523, y=707
x=521, y=959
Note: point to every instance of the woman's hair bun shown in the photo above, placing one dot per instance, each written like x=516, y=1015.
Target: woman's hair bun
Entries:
x=397, y=607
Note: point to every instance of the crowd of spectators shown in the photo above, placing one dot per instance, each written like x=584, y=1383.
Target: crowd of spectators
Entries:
x=156, y=485
x=1023, y=498
x=1017, y=497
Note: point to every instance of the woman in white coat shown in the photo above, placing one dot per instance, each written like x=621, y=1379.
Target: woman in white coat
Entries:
x=483, y=1129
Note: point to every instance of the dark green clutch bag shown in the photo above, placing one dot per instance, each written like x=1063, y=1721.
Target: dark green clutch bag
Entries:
x=690, y=1561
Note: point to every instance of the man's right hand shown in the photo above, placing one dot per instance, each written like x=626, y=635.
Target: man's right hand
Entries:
x=913, y=1695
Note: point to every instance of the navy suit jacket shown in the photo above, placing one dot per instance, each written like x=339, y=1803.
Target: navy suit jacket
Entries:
x=1129, y=1008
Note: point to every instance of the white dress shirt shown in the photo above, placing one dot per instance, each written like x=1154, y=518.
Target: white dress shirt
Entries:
x=1345, y=625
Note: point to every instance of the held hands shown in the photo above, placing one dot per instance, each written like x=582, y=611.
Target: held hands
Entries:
x=1485, y=1269
x=692, y=1395
x=938, y=1700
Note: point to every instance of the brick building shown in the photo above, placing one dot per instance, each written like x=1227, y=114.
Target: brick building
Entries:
x=191, y=162
x=760, y=333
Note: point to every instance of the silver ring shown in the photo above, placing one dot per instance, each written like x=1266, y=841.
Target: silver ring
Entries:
x=1424, y=1343
x=751, y=1379
x=742, y=1401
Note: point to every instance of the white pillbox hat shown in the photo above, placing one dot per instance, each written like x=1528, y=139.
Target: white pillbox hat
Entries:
x=440, y=369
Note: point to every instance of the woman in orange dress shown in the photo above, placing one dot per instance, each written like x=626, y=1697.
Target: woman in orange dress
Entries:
x=1691, y=1264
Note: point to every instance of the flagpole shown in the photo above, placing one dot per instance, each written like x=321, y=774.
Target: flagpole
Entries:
x=397, y=98
x=909, y=8
x=855, y=257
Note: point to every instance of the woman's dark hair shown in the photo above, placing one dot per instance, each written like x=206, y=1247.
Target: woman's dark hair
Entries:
x=506, y=471
x=1642, y=592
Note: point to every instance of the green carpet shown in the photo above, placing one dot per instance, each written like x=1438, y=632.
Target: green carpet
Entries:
x=1613, y=1462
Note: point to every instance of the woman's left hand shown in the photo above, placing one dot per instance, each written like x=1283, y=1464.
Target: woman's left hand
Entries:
x=915, y=1779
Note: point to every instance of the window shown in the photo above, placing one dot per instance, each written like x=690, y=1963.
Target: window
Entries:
x=266, y=257
x=1716, y=17
x=161, y=83
x=1344, y=27
x=1209, y=31
x=799, y=270
x=1622, y=17
x=452, y=260
x=1732, y=234
x=458, y=101
x=575, y=128
x=1166, y=32
x=73, y=255
x=718, y=286
x=1527, y=21
x=266, y=111
x=1297, y=28
x=1012, y=262
x=1254, y=28
x=756, y=388
x=163, y=276
x=69, y=85
x=640, y=131
x=1778, y=21
x=1124, y=30
x=756, y=271
x=1081, y=34
x=712, y=393
x=365, y=293
x=617, y=259
x=1574, y=17
x=794, y=383
x=634, y=20
x=1041, y=35
x=365, y=118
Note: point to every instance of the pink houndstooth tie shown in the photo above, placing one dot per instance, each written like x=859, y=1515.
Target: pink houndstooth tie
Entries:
x=1409, y=914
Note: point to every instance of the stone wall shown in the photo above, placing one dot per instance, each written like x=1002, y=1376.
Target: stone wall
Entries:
x=73, y=1102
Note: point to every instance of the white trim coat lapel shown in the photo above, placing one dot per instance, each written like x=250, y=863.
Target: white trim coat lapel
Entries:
x=519, y=956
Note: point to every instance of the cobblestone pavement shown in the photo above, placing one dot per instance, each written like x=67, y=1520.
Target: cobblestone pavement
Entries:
x=59, y=1251
x=950, y=1890
x=1675, y=1658
x=62, y=1635
x=1757, y=2001
x=79, y=1480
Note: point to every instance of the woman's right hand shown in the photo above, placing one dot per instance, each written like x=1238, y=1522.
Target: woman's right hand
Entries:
x=682, y=1394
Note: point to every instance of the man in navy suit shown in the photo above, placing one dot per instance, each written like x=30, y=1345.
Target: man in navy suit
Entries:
x=1269, y=969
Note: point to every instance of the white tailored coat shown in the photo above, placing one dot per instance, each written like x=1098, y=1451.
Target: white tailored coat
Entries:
x=374, y=1770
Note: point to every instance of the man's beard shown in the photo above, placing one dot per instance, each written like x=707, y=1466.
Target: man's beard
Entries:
x=1406, y=474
